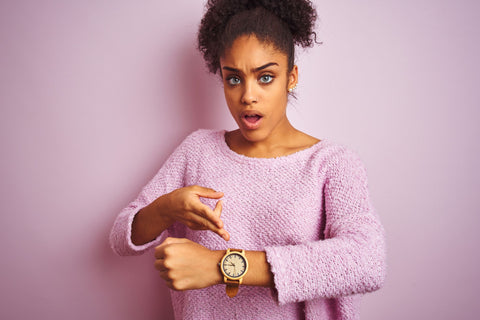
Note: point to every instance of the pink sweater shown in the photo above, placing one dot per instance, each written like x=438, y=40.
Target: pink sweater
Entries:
x=309, y=211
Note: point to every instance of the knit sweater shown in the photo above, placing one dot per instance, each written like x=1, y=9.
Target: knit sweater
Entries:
x=309, y=211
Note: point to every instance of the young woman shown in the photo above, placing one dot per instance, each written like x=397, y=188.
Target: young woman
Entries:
x=263, y=222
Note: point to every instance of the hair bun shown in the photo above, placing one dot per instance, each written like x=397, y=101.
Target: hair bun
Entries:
x=297, y=17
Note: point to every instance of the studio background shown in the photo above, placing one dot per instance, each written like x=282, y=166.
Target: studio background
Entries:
x=95, y=95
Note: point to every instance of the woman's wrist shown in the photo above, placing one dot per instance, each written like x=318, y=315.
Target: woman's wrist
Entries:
x=258, y=274
x=150, y=222
x=161, y=210
x=217, y=255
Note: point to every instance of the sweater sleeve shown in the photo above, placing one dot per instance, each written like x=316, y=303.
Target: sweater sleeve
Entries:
x=350, y=258
x=168, y=178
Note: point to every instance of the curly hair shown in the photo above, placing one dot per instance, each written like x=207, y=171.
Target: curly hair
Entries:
x=282, y=23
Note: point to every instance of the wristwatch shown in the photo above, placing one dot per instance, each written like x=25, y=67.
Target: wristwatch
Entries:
x=234, y=266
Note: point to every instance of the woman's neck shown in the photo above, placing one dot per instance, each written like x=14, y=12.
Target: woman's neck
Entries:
x=277, y=144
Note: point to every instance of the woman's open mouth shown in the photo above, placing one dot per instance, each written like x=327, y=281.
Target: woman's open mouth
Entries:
x=251, y=120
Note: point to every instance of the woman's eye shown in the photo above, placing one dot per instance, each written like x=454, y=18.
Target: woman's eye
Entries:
x=233, y=81
x=266, y=78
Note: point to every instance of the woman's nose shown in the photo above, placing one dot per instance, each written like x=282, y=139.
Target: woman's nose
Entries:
x=249, y=95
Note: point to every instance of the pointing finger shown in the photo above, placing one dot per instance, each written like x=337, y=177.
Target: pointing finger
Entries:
x=207, y=193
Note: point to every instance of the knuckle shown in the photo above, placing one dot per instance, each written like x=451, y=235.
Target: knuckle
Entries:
x=178, y=285
x=166, y=264
x=203, y=213
x=204, y=225
x=185, y=203
x=170, y=275
x=166, y=243
x=190, y=189
x=168, y=251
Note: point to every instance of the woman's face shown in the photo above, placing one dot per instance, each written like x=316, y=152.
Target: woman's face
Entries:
x=256, y=80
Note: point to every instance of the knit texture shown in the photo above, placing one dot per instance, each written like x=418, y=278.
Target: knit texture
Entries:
x=309, y=211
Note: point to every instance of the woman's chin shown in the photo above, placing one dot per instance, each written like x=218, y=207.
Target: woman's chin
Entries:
x=253, y=136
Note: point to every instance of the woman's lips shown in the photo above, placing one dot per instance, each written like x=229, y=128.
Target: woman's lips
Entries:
x=251, y=120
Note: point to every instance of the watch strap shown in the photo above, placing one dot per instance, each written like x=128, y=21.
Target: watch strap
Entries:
x=232, y=287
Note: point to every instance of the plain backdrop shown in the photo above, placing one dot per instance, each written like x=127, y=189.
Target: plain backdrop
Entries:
x=94, y=95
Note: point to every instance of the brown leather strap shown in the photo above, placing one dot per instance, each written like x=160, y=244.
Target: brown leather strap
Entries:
x=232, y=287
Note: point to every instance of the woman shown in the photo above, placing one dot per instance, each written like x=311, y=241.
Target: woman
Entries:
x=296, y=208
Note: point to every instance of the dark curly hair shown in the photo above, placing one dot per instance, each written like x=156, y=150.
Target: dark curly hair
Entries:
x=282, y=23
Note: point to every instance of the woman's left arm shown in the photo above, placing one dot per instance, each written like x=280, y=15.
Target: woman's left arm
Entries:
x=350, y=258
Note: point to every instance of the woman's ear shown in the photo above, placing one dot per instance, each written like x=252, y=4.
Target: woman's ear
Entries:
x=292, y=79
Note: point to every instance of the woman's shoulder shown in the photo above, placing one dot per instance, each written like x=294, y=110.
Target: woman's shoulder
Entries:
x=199, y=141
x=202, y=137
x=205, y=135
x=336, y=156
x=325, y=149
x=336, y=150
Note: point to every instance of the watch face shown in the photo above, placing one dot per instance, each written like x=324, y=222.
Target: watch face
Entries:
x=234, y=265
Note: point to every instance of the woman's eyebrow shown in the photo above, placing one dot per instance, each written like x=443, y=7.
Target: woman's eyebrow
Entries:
x=265, y=66
x=254, y=70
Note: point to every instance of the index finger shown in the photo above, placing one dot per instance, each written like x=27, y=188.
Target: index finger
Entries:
x=207, y=192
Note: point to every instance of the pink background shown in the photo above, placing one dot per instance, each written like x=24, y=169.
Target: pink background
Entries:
x=94, y=95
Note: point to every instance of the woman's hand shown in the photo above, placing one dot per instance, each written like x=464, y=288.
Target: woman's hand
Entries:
x=187, y=265
x=184, y=205
x=181, y=205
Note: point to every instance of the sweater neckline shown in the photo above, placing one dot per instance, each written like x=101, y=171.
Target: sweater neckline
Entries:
x=246, y=159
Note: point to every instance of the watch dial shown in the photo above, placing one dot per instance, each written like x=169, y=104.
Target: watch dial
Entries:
x=234, y=265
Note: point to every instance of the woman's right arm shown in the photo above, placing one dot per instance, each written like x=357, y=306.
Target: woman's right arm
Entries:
x=181, y=205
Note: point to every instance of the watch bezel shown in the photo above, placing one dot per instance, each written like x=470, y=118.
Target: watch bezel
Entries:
x=242, y=255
